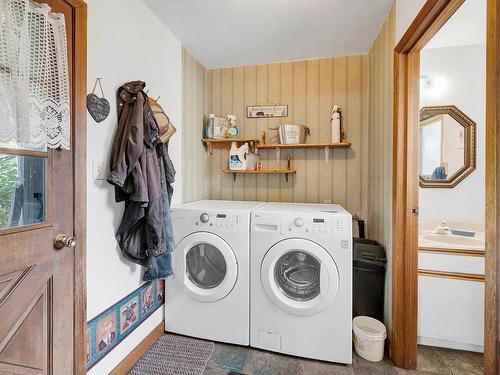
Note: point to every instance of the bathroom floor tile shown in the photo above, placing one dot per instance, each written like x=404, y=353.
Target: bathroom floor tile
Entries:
x=266, y=363
x=462, y=362
x=430, y=361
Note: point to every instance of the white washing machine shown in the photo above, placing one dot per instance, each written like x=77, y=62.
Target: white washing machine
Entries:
x=301, y=280
x=208, y=297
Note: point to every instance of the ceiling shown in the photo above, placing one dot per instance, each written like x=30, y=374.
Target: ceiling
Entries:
x=224, y=33
x=466, y=27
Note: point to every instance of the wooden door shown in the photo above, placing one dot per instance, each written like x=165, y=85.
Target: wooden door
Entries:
x=38, y=319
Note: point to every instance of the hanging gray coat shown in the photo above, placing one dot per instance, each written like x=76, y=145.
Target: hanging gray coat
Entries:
x=137, y=166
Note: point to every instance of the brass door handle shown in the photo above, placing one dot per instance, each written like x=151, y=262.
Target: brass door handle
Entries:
x=63, y=240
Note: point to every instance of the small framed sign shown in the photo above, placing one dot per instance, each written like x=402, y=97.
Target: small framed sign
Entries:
x=267, y=111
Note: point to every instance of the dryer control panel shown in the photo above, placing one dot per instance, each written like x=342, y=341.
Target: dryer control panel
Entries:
x=315, y=224
x=222, y=220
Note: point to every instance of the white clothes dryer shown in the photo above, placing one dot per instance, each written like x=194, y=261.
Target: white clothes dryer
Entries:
x=208, y=297
x=301, y=280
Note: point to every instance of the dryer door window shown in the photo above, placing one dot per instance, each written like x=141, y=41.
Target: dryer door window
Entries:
x=297, y=274
x=300, y=277
x=205, y=266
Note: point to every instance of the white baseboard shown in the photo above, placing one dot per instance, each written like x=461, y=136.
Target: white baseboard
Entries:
x=442, y=343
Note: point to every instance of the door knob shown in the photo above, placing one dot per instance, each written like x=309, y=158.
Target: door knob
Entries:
x=63, y=240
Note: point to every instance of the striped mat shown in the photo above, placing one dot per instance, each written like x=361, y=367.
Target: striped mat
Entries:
x=176, y=355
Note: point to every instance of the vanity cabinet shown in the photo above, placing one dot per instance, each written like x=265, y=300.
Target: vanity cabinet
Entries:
x=451, y=298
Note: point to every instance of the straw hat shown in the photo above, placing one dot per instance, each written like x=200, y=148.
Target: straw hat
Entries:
x=167, y=129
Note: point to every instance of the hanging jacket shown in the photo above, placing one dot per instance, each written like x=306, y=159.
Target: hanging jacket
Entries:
x=136, y=172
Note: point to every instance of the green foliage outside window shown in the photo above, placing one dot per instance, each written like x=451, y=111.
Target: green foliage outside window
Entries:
x=8, y=175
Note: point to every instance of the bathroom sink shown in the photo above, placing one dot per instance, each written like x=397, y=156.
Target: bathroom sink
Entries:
x=454, y=240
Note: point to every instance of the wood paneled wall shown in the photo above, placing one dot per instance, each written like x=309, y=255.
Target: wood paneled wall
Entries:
x=379, y=224
x=309, y=88
x=194, y=108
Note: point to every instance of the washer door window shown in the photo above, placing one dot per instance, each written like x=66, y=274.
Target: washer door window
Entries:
x=297, y=274
x=205, y=266
x=300, y=277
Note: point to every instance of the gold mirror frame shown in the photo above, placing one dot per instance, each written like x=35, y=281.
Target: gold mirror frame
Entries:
x=469, y=145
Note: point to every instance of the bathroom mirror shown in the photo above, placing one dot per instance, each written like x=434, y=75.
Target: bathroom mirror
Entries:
x=447, y=146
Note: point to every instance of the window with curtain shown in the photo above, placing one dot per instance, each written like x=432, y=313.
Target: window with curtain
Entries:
x=34, y=82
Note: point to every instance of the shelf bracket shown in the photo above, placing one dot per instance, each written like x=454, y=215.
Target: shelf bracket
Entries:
x=286, y=177
x=210, y=145
x=327, y=154
x=278, y=153
x=234, y=177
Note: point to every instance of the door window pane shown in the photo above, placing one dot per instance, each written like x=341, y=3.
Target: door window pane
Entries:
x=205, y=266
x=297, y=274
x=22, y=190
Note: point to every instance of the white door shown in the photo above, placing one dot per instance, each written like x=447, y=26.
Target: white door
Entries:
x=205, y=266
x=299, y=276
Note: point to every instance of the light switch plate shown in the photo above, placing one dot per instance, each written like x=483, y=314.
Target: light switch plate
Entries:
x=98, y=172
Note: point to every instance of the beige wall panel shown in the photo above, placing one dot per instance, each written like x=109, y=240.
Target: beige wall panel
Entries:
x=259, y=125
x=250, y=129
x=299, y=114
x=379, y=221
x=239, y=111
x=274, y=96
x=286, y=86
x=215, y=160
x=313, y=161
x=195, y=163
x=325, y=185
x=340, y=155
x=226, y=108
x=353, y=118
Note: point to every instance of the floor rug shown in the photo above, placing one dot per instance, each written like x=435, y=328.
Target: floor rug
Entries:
x=175, y=355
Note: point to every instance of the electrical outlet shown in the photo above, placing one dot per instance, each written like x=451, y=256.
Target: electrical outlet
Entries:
x=98, y=172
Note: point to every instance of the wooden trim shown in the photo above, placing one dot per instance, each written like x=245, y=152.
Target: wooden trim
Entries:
x=491, y=321
x=261, y=171
x=19, y=152
x=79, y=148
x=452, y=275
x=430, y=19
x=305, y=145
x=133, y=357
x=459, y=252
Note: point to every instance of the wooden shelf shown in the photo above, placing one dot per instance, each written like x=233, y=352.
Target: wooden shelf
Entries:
x=226, y=143
x=305, y=145
x=286, y=172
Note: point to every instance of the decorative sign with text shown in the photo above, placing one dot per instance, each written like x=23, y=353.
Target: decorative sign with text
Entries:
x=268, y=111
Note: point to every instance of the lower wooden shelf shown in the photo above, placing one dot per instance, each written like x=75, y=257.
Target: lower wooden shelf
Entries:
x=286, y=172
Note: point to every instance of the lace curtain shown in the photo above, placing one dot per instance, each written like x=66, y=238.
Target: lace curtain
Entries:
x=34, y=82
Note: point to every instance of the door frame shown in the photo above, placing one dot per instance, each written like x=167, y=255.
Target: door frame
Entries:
x=429, y=20
x=79, y=149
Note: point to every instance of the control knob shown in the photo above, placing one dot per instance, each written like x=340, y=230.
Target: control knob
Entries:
x=299, y=222
x=204, y=217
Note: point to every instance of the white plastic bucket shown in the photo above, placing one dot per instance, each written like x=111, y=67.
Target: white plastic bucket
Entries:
x=369, y=338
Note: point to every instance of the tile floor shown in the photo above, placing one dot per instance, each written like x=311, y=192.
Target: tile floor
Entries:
x=431, y=361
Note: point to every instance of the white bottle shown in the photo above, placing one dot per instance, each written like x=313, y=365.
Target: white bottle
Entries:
x=238, y=157
x=335, y=122
x=253, y=159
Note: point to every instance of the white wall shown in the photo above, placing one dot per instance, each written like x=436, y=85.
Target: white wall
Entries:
x=126, y=42
x=464, y=71
x=406, y=11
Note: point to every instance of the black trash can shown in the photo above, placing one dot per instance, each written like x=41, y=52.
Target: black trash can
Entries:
x=369, y=265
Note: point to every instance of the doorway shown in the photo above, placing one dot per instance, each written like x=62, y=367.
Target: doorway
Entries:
x=406, y=209
x=42, y=213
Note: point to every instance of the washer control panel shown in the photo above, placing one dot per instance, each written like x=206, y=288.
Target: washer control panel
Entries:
x=221, y=220
x=319, y=224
